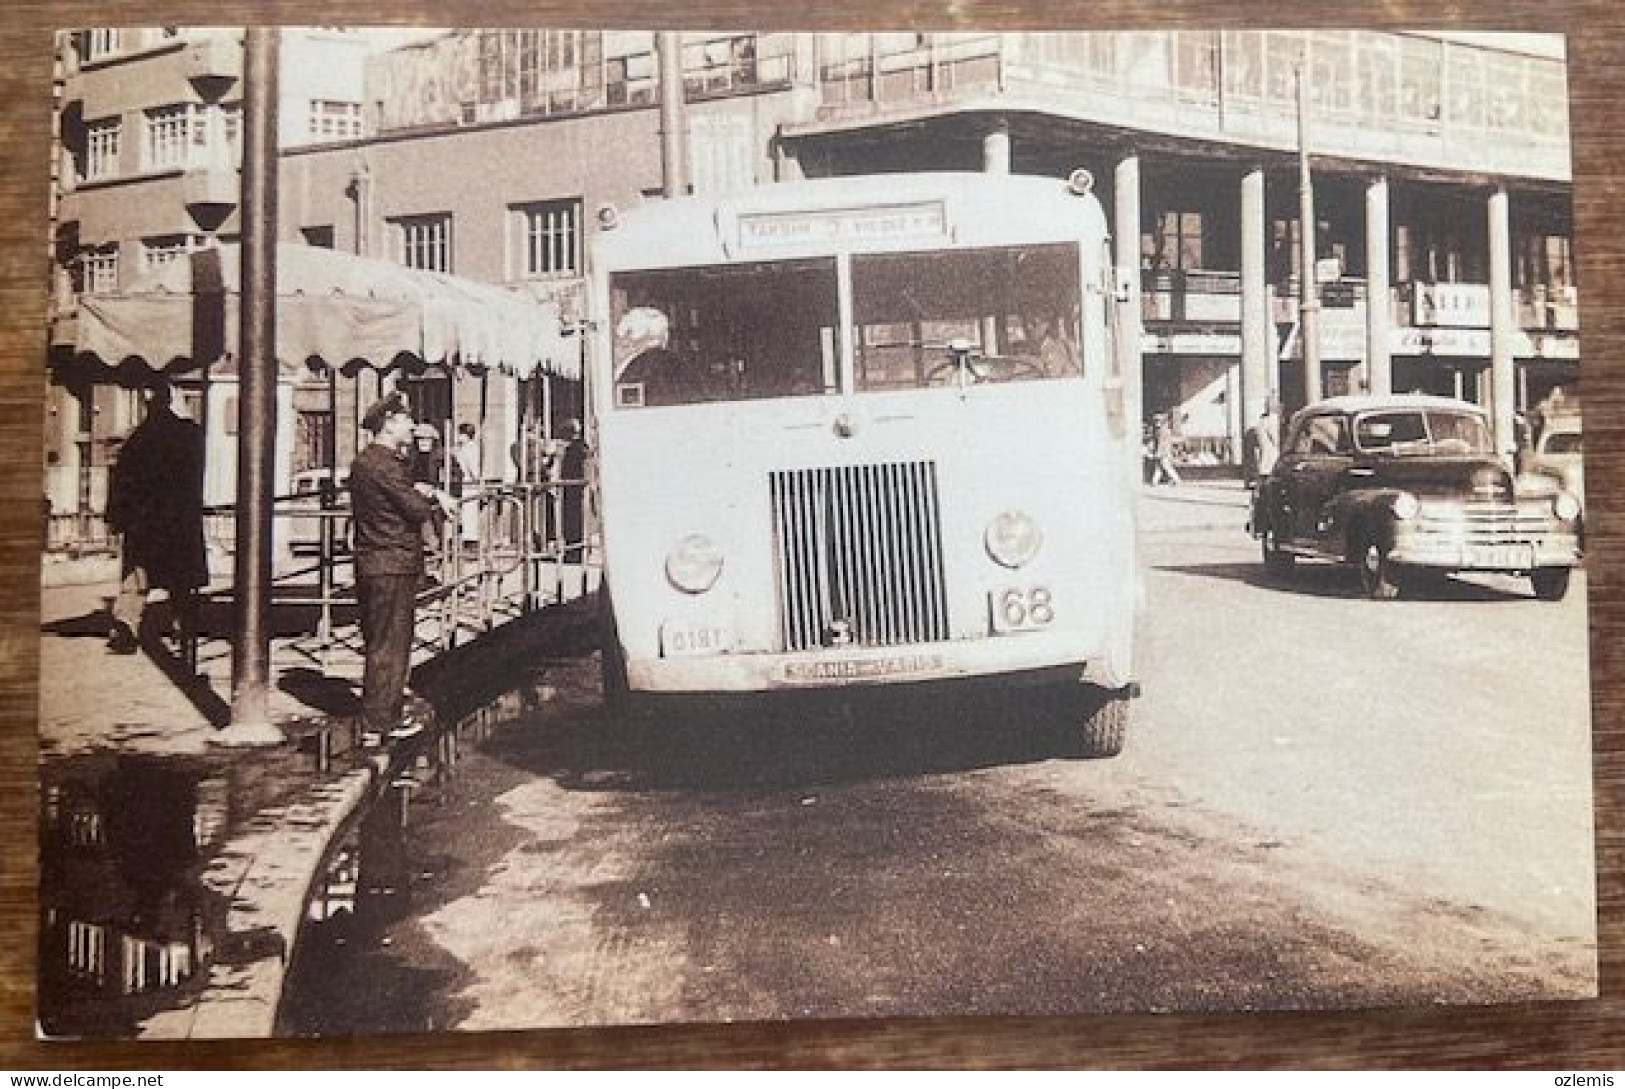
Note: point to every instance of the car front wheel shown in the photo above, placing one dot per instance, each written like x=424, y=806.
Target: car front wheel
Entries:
x=1277, y=561
x=1376, y=571
x=1550, y=583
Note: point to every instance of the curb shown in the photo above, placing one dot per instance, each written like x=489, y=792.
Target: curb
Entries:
x=268, y=870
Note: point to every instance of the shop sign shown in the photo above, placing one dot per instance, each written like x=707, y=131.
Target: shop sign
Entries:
x=1451, y=304
x=1473, y=343
x=1191, y=343
x=1557, y=347
x=1340, y=342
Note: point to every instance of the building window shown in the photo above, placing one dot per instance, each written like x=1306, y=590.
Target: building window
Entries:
x=320, y=237
x=547, y=237
x=100, y=42
x=103, y=140
x=171, y=134
x=230, y=117
x=159, y=252
x=424, y=242
x=1546, y=259
x=331, y=120
x=1174, y=242
x=98, y=270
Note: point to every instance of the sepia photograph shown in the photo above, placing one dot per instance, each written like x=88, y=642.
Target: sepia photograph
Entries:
x=557, y=528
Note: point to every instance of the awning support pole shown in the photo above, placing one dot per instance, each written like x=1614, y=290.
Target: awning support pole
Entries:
x=256, y=413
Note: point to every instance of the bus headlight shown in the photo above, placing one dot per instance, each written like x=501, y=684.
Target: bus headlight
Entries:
x=1405, y=506
x=1566, y=506
x=1013, y=539
x=694, y=564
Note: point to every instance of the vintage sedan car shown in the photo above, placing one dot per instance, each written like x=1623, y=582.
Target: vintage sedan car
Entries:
x=1558, y=454
x=1402, y=485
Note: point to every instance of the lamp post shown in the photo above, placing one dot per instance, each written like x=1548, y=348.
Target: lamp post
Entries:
x=1308, y=285
x=256, y=402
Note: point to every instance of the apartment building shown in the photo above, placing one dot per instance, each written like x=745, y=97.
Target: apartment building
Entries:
x=146, y=169
x=1443, y=222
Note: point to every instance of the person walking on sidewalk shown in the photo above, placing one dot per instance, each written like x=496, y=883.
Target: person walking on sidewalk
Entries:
x=1162, y=451
x=155, y=501
x=389, y=512
x=1263, y=445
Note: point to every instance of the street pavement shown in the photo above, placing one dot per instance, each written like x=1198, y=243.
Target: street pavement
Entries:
x=149, y=705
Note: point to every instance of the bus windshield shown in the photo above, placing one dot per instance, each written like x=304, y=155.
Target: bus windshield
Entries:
x=1011, y=312
x=725, y=332
x=763, y=329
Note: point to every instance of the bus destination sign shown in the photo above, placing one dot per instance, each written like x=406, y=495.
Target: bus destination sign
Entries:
x=844, y=226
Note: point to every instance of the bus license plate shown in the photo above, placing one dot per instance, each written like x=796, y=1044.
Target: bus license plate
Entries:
x=1502, y=557
x=681, y=638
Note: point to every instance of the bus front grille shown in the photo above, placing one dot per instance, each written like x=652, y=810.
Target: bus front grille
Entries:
x=859, y=556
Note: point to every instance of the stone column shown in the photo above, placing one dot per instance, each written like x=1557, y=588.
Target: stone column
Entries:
x=1379, y=362
x=1503, y=325
x=1126, y=233
x=1259, y=375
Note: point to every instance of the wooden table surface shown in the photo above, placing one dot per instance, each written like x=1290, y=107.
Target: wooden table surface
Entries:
x=1569, y=1036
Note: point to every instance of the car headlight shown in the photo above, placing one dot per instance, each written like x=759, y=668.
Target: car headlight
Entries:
x=694, y=564
x=1566, y=506
x=1405, y=506
x=1013, y=539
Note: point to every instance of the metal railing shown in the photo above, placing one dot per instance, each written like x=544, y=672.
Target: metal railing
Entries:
x=507, y=550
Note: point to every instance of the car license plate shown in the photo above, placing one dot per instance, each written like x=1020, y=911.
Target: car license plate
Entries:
x=1502, y=557
x=683, y=638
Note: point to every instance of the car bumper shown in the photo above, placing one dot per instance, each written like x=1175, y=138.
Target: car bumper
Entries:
x=846, y=667
x=1491, y=555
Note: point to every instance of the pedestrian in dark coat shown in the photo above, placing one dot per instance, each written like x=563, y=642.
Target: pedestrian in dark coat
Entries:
x=573, y=471
x=155, y=502
x=389, y=512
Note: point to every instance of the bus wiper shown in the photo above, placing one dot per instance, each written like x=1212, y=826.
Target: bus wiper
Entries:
x=959, y=354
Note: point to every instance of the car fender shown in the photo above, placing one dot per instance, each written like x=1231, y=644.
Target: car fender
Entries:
x=1368, y=511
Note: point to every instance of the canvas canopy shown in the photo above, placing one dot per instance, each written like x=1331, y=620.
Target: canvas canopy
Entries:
x=333, y=307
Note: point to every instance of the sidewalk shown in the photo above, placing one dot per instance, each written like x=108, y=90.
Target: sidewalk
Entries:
x=1192, y=505
x=175, y=871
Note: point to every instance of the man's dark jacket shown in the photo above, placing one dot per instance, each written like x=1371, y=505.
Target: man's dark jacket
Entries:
x=388, y=514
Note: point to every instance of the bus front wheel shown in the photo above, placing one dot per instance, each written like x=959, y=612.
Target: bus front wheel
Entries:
x=1105, y=724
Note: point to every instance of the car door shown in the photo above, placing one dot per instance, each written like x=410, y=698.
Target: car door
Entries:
x=1324, y=477
x=1307, y=475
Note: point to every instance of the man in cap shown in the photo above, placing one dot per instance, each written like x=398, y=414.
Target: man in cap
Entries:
x=389, y=511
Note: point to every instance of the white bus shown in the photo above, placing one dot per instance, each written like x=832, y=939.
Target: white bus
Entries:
x=866, y=431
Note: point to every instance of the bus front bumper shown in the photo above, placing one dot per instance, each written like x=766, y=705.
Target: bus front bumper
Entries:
x=845, y=667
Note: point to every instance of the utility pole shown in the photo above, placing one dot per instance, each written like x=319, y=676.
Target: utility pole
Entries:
x=256, y=401
x=673, y=117
x=1308, y=287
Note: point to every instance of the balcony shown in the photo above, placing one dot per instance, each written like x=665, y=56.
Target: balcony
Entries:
x=1374, y=96
x=212, y=186
x=1191, y=296
x=214, y=64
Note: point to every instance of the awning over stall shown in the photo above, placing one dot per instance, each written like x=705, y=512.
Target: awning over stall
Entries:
x=331, y=306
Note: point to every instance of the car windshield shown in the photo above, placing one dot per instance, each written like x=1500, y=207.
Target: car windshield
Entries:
x=1562, y=442
x=1415, y=431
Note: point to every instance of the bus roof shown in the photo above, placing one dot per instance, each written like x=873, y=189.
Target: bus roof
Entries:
x=864, y=213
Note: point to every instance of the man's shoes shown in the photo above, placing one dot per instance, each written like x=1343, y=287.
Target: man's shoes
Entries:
x=122, y=640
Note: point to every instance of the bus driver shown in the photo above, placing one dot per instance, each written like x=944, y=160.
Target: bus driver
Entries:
x=650, y=373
